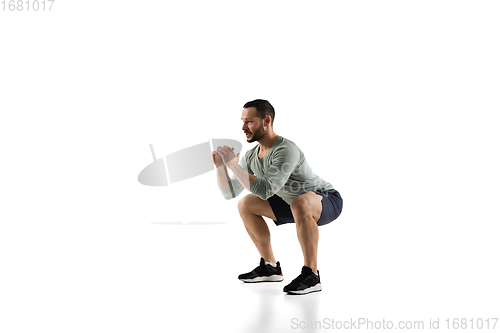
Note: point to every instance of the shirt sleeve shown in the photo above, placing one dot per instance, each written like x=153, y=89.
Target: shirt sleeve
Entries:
x=235, y=188
x=283, y=163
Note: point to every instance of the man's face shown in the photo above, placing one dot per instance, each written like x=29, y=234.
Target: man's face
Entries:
x=252, y=125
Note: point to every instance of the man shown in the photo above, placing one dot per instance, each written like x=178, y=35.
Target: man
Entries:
x=283, y=188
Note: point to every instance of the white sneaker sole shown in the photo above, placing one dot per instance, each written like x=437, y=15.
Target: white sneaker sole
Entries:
x=317, y=287
x=272, y=278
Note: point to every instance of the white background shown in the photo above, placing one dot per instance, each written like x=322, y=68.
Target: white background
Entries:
x=395, y=103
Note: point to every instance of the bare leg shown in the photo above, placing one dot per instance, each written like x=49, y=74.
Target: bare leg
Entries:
x=308, y=234
x=306, y=209
x=251, y=209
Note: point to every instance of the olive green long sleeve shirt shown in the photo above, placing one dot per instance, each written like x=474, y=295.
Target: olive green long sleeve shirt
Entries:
x=282, y=171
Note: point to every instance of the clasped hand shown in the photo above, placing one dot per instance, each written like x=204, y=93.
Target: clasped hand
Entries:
x=225, y=156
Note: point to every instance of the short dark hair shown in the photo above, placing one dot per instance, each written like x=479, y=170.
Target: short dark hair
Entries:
x=263, y=107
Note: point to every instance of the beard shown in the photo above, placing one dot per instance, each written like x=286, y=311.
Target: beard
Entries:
x=257, y=135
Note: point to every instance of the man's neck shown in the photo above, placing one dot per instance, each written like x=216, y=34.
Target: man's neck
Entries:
x=267, y=141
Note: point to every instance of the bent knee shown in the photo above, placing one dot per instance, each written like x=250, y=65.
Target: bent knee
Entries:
x=245, y=203
x=302, y=207
x=250, y=203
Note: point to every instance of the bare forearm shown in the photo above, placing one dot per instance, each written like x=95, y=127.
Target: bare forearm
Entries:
x=244, y=177
x=222, y=177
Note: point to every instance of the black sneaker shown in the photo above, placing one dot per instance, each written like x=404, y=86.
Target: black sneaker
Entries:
x=263, y=273
x=306, y=282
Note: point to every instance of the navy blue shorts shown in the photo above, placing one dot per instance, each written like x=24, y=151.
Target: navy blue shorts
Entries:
x=332, y=207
